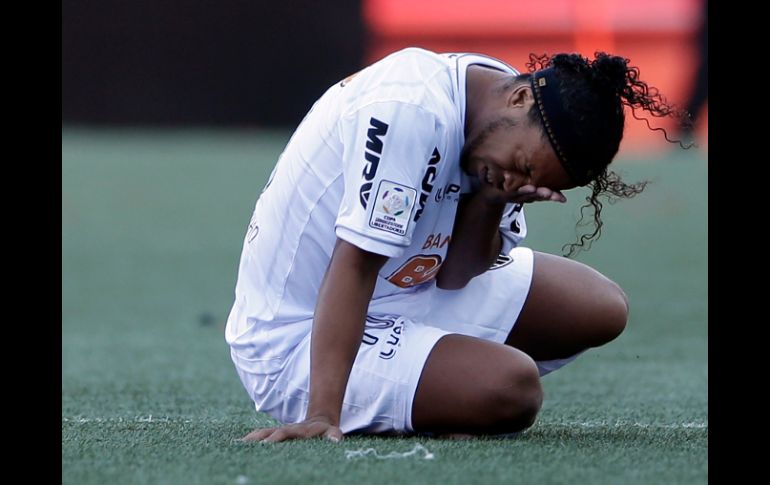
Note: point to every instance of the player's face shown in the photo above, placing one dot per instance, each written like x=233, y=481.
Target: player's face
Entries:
x=513, y=156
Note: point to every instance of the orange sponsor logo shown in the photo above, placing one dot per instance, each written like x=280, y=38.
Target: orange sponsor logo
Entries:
x=417, y=270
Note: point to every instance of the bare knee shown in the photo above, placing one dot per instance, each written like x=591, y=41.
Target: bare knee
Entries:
x=517, y=397
x=614, y=313
x=475, y=386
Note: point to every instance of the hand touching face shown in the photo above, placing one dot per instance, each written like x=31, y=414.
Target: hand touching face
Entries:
x=504, y=189
x=514, y=162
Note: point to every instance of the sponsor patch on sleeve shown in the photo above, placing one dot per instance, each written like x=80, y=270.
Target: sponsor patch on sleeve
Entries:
x=393, y=207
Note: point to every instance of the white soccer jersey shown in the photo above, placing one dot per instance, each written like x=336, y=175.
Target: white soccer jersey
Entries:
x=375, y=162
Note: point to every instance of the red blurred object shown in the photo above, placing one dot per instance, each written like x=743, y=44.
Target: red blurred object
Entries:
x=656, y=35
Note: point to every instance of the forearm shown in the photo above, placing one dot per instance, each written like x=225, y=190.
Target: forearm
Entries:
x=338, y=326
x=475, y=242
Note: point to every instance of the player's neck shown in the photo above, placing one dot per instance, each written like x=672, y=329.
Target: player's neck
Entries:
x=482, y=92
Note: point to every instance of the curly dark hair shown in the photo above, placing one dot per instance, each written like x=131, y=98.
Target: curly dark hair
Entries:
x=594, y=93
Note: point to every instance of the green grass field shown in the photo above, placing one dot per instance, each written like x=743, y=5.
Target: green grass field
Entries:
x=152, y=223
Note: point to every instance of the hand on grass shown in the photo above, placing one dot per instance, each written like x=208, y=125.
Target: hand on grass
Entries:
x=310, y=428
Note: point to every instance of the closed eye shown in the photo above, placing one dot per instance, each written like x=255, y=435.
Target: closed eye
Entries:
x=528, y=171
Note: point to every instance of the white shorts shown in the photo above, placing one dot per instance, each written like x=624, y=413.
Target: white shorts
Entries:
x=398, y=339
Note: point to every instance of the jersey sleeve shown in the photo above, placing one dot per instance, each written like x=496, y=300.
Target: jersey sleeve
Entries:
x=513, y=227
x=387, y=148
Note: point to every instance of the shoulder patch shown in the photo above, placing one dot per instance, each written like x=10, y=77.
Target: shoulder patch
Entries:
x=393, y=206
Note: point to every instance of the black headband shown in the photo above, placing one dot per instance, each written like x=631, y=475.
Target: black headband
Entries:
x=558, y=126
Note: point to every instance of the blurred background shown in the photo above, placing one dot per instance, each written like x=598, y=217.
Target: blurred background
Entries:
x=263, y=63
x=173, y=115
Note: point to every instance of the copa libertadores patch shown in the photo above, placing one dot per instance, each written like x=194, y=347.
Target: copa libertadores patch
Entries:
x=393, y=207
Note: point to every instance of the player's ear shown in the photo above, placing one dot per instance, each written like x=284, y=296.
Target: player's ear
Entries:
x=520, y=97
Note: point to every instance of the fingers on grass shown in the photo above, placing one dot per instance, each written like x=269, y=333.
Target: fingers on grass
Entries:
x=334, y=434
x=258, y=434
x=296, y=431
